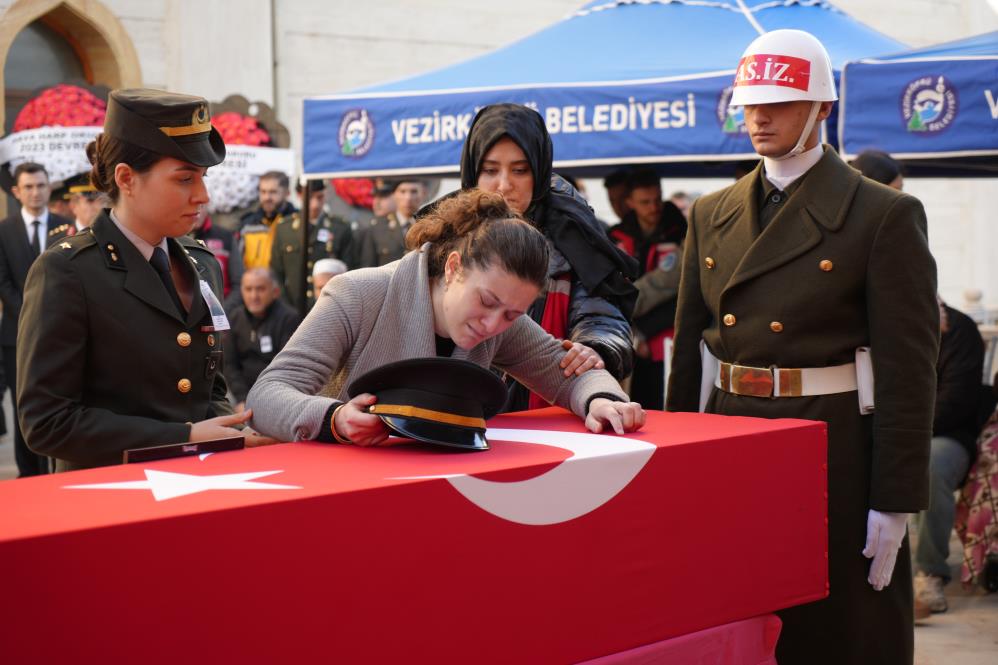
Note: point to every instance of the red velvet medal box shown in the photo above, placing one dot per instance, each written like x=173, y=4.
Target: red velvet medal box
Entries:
x=555, y=546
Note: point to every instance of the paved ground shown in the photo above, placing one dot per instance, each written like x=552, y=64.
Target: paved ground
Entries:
x=966, y=635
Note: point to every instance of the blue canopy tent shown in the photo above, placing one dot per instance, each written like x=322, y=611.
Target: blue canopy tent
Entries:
x=934, y=108
x=631, y=81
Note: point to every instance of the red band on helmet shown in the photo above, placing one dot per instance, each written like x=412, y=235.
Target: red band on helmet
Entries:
x=770, y=69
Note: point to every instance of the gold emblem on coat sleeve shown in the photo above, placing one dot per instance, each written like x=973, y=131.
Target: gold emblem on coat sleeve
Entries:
x=184, y=339
x=826, y=265
x=184, y=385
x=729, y=320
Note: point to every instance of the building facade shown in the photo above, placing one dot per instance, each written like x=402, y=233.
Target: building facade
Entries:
x=280, y=51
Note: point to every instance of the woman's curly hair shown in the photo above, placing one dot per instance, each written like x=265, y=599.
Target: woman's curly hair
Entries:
x=485, y=231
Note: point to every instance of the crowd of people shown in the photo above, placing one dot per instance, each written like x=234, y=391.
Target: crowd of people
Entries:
x=773, y=290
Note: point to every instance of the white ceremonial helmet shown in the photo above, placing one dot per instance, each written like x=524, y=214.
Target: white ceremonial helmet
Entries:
x=785, y=66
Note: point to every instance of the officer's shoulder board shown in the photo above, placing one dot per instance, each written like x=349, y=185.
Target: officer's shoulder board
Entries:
x=59, y=229
x=194, y=245
x=74, y=244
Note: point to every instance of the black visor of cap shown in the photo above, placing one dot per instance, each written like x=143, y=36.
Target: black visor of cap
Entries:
x=435, y=400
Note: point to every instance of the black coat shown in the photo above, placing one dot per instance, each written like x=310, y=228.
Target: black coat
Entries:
x=959, y=376
x=110, y=364
x=16, y=258
x=244, y=344
x=602, y=291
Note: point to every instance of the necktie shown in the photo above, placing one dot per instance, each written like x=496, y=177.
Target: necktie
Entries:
x=161, y=263
x=36, y=243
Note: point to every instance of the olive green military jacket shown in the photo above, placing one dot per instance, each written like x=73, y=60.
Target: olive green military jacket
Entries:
x=381, y=242
x=106, y=363
x=331, y=238
x=844, y=264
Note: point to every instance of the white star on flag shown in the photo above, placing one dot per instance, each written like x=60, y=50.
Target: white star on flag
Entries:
x=169, y=485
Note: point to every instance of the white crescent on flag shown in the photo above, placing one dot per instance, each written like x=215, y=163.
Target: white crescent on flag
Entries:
x=599, y=468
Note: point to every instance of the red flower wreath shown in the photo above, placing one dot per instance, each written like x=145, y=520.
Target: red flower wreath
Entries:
x=238, y=129
x=358, y=192
x=62, y=106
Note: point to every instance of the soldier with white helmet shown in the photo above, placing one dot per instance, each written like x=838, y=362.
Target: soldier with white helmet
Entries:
x=808, y=291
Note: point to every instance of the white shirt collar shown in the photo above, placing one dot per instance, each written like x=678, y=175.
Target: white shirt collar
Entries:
x=144, y=247
x=43, y=228
x=785, y=171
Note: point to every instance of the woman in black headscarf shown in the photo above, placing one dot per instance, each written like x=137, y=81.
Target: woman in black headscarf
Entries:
x=590, y=293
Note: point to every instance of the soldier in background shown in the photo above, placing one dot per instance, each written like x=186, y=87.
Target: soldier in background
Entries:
x=330, y=237
x=651, y=233
x=85, y=203
x=383, y=240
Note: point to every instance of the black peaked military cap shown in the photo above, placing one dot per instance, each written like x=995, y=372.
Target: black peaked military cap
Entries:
x=435, y=400
x=78, y=184
x=167, y=123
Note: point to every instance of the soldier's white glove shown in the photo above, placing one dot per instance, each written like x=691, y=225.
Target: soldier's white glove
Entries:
x=884, y=533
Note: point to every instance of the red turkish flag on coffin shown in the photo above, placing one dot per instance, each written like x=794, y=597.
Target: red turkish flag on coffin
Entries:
x=556, y=546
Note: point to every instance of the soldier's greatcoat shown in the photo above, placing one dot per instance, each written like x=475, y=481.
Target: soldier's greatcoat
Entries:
x=106, y=361
x=844, y=263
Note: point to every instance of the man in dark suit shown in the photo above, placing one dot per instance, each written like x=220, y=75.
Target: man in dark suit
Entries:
x=383, y=239
x=23, y=236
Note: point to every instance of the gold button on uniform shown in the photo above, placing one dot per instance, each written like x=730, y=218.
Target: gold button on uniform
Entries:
x=776, y=326
x=826, y=265
x=211, y=340
x=730, y=320
x=184, y=385
x=183, y=339
x=709, y=262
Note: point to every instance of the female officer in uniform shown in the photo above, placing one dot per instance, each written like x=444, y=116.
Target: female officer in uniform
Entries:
x=119, y=348
x=786, y=275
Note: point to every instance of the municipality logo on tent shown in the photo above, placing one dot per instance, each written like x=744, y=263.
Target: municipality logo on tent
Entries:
x=731, y=118
x=928, y=104
x=356, y=134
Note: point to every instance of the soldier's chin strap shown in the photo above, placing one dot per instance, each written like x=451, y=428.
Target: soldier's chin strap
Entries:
x=808, y=126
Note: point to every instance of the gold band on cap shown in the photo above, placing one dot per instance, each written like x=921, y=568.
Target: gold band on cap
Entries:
x=426, y=414
x=187, y=130
x=80, y=189
x=200, y=123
